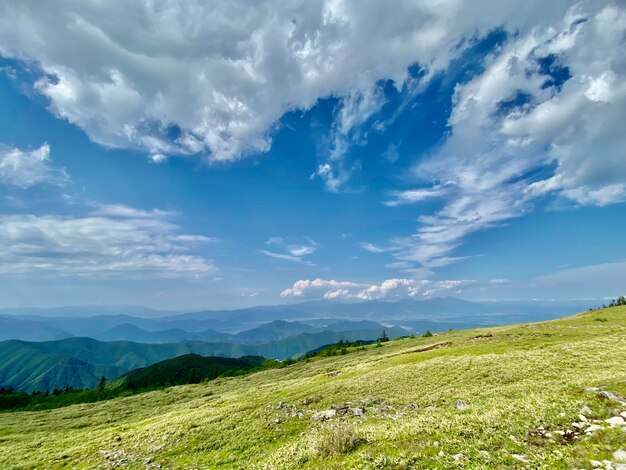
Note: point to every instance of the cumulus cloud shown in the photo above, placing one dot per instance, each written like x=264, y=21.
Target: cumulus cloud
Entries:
x=111, y=242
x=544, y=117
x=389, y=289
x=26, y=168
x=176, y=77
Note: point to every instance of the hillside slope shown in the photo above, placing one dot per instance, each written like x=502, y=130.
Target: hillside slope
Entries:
x=505, y=397
x=31, y=366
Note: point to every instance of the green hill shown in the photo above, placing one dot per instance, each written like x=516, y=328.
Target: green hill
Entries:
x=186, y=369
x=522, y=396
x=80, y=362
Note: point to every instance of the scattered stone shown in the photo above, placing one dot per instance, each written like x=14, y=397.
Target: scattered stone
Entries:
x=155, y=449
x=310, y=400
x=623, y=414
x=461, y=405
x=324, y=415
x=577, y=425
x=615, y=421
x=436, y=444
x=339, y=407
x=358, y=411
x=582, y=417
x=586, y=411
x=280, y=405
x=277, y=421
x=592, y=389
x=520, y=457
x=118, y=438
x=593, y=428
x=562, y=414
x=372, y=401
x=441, y=453
x=458, y=457
x=605, y=394
x=596, y=463
x=620, y=456
x=514, y=439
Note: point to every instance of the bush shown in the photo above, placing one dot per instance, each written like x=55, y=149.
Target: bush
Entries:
x=338, y=439
x=427, y=334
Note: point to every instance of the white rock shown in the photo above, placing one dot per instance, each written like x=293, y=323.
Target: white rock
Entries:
x=521, y=458
x=586, y=411
x=623, y=414
x=615, y=421
x=457, y=456
x=441, y=453
x=593, y=428
x=596, y=463
x=461, y=405
x=582, y=418
x=324, y=415
x=620, y=456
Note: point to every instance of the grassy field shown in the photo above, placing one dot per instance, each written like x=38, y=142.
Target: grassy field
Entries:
x=505, y=397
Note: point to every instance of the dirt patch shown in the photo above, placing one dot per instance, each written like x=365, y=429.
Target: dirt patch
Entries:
x=430, y=348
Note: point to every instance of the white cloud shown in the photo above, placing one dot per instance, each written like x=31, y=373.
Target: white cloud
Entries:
x=176, y=77
x=24, y=169
x=412, y=196
x=389, y=289
x=300, y=288
x=367, y=246
x=510, y=123
x=291, y=251
x=113, y=242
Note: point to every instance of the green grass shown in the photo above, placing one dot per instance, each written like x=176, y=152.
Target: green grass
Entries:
x=514, y=379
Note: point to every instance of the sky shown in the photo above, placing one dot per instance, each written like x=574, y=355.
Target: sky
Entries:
x=201, y=154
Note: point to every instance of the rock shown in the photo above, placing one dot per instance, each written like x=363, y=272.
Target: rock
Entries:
x=358, y=411
x=520, y=457
x=582, y=417
x=461, y=405
x=280, y=405
x=372, y=401
x=324, y=415
x=620, y=456
x=458, y=457
x=155, y=449
x=623, y=414
x=441, y=453
x=615, y=421
x=593, y=428
x=339, y=407
x=436, y=444
x=514, y=439
x=586, y=411
x=591, y=389
x=596, y=463
x=577, y=425
x=605, y=394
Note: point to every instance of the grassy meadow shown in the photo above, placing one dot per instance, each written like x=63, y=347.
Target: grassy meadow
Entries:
x=504, y=397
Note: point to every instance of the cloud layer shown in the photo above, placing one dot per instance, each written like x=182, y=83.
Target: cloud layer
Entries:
x=116, y=242
x=389, y=289
x=194, y=76
x=545, y=117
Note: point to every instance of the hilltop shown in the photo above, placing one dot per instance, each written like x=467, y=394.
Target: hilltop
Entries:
x=523, y=396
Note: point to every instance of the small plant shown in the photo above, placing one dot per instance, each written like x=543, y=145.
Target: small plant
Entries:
x=600, y=319
x=338, y=439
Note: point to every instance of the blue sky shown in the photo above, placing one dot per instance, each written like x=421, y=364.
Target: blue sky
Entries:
x=180, y=159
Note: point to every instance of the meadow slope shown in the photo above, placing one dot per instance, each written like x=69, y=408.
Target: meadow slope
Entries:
x=504, y=397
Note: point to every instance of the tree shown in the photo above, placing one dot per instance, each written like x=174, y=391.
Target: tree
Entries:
x=427, y=334
x=383, y=337
x=621, y=300
x=101, y=384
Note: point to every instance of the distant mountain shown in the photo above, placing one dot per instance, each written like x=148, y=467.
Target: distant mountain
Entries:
x=276, y=330
x=29, y=330
x=88, y=311
x=130, y=332
x=186, y=369
x=271, y=323
x=80, y=362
